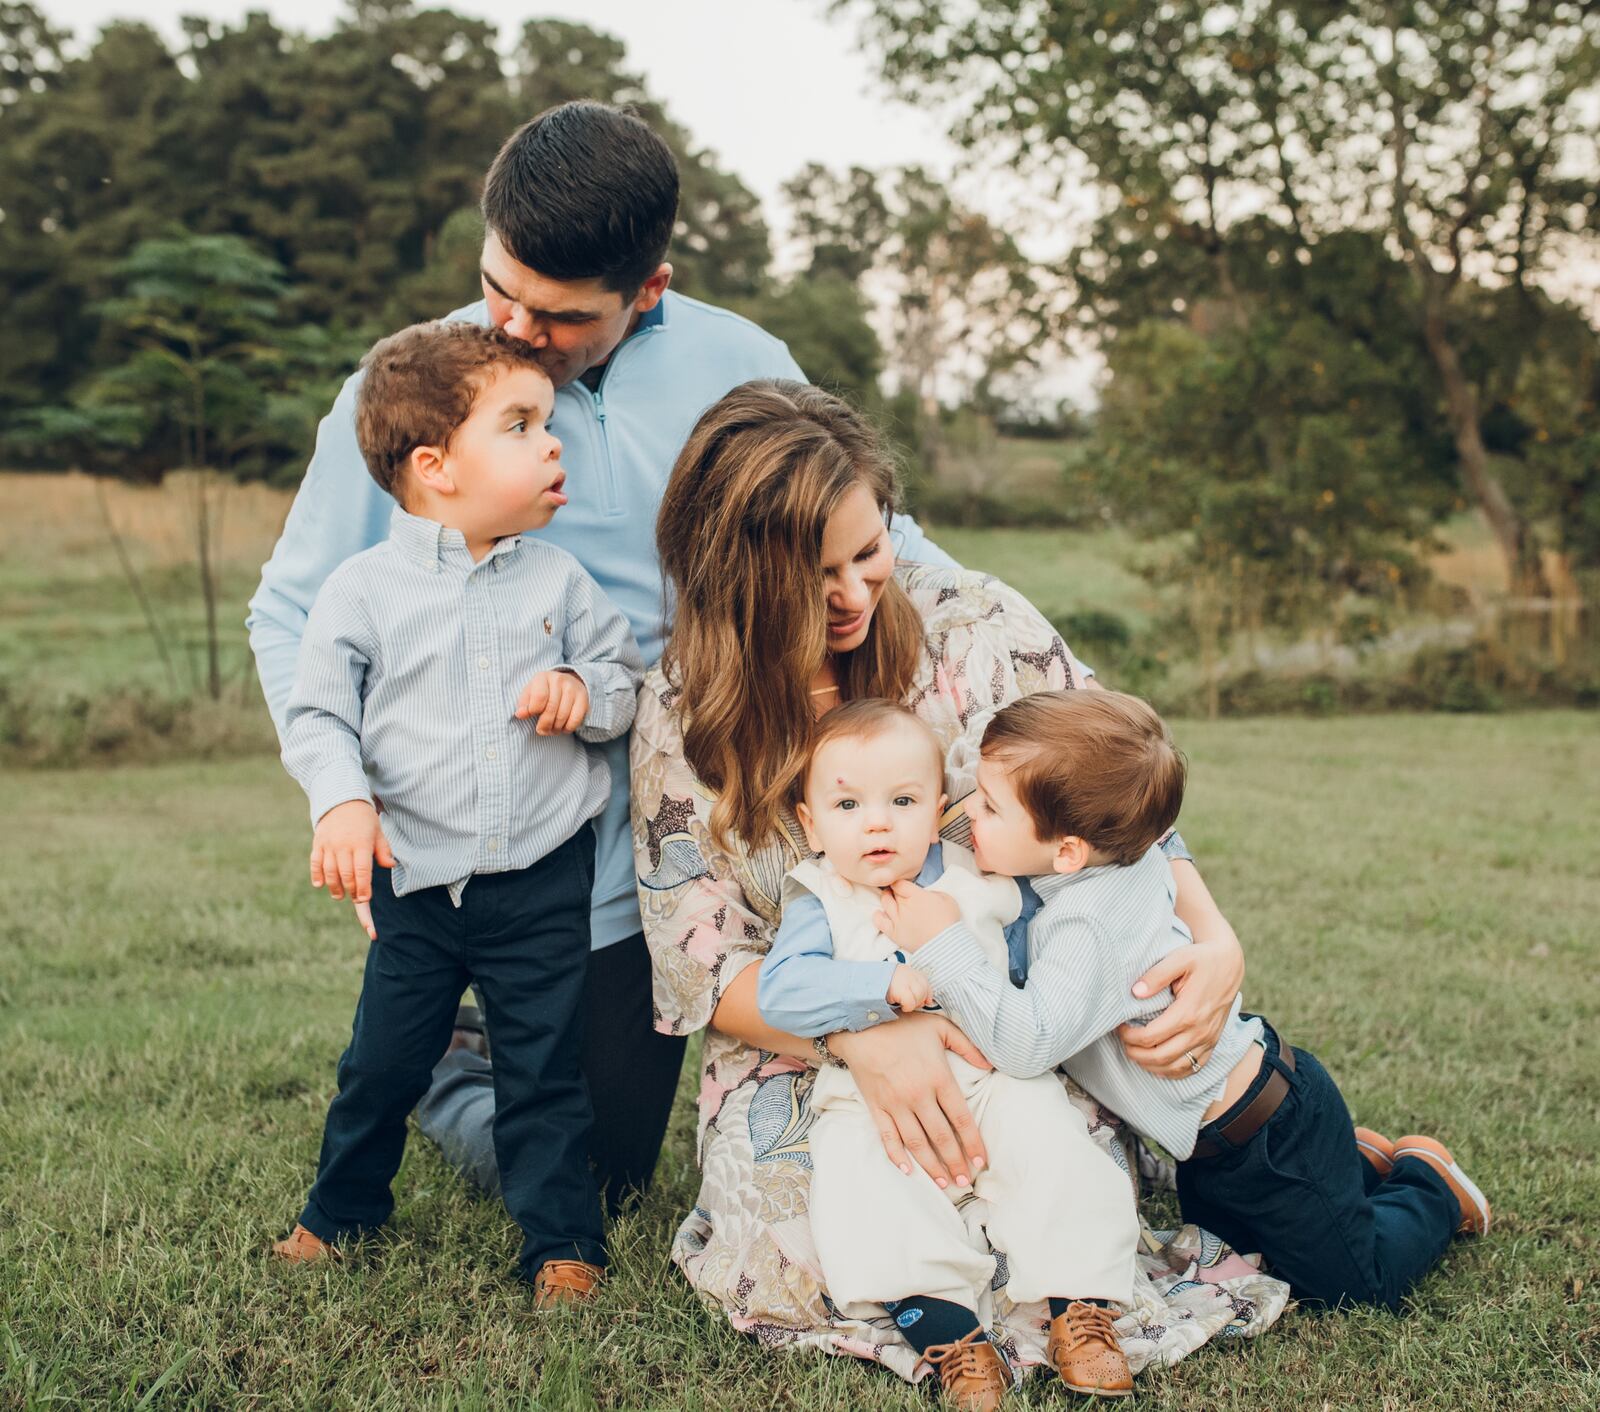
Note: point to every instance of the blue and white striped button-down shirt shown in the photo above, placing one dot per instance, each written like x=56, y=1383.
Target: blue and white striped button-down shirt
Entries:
x=1098, y=931
x=408, y=676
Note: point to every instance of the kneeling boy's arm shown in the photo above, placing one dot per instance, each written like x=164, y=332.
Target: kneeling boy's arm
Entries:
x=805, y=989
x=1071, y=999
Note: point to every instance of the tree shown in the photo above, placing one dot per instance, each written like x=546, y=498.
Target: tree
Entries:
x=1458, y=132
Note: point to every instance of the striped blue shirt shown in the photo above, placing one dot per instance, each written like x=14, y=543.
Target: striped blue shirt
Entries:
x=409, y=672
x=1097, y=932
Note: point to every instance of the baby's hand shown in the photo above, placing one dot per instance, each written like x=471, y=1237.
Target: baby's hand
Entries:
x=559, y=699
x=909, y=989
x=913, y=916
x=343, y=846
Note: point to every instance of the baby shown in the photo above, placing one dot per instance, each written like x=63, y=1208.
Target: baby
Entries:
x=1073, y=790
x=457, y=673
x=1057, y=1204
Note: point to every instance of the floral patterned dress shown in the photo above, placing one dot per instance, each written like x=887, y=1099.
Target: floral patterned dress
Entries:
x=710, y=912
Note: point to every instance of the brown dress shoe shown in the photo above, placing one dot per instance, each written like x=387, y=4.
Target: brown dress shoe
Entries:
x=972, y=1372
x=300, y=1247
x=565, y=1282
x=1085, y=1352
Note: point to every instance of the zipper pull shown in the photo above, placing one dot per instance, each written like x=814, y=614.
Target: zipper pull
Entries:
x=599, y=406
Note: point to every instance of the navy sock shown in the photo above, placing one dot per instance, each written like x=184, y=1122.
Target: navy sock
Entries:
x=924, y=1321
x=1058, y=1307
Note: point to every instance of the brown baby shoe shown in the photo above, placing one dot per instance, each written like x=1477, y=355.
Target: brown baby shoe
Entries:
x=972, y=1372
x=565, y=1282
x=300, y=1247
x=1085, y=1352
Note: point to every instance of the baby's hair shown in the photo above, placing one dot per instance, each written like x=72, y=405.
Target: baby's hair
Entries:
x=1095, y=765
x=866, y=719
x=419, y=387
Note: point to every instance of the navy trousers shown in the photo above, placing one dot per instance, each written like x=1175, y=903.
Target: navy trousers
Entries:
x=524, y=937
x=1300, y=1192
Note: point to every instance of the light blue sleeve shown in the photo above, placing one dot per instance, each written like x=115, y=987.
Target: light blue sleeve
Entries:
x=1175, y=848
x=599, y=647
x=912, y=544
x=338, y=511
x=804, y=990
x=322, y=717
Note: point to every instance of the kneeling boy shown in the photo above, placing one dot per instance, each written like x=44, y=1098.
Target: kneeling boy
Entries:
x=1074, y=789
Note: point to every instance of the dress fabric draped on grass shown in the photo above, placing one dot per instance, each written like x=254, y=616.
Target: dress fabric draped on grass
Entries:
x=709, y=912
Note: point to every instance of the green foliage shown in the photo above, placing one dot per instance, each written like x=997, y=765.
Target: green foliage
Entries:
x=351, y=161
x=823, y=318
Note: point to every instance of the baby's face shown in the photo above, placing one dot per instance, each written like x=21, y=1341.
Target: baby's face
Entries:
x=872, y=804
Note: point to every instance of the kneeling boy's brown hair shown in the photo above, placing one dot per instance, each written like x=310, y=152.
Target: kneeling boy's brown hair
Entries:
x=420, y=385
x=1095, y=765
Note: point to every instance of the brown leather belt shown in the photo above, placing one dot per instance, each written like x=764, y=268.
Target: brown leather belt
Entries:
x=1251, y=1121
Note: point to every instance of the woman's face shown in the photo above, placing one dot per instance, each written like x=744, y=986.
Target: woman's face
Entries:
x=857, y=559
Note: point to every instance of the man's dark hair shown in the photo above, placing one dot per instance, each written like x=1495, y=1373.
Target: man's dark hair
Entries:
x=584, y=191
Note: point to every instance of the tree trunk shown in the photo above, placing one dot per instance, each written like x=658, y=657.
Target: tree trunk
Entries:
x=1525, y=571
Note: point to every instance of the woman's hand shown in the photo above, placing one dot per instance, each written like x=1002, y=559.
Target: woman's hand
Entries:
x=913, y=1096
x=1204, y=978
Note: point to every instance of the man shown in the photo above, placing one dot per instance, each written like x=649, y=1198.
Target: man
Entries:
x=579, y=207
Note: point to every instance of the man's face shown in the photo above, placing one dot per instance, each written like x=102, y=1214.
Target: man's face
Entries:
x=573, y=324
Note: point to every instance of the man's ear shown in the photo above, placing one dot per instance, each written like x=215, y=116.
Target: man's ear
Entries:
x=802, y=812
x=427, y=468
x=1072, y=855
x=652, y=289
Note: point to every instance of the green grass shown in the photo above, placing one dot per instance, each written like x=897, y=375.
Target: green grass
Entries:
x=1417, y=897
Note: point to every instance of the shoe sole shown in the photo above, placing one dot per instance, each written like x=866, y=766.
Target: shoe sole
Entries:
x=1377, y=1149
x=1474, y=1222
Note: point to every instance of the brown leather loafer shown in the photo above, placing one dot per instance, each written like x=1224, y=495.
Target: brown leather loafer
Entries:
x=300, y=1247
x=565, y=1282
x=972, y=1372
x=1473, y=1203
x=1084, y=1350
x=1377, y=1149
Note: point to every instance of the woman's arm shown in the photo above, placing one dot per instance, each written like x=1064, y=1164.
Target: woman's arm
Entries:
x=1204, y=978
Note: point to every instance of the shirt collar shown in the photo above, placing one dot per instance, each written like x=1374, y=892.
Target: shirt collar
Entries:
x=932, y=866
x=1050, y=885
x=432, y=546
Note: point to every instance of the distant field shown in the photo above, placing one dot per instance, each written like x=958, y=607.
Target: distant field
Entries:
x=69, y=622
x=1417, y=897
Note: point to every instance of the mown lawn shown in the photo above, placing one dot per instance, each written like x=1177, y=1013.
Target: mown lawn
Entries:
x=1418, y=900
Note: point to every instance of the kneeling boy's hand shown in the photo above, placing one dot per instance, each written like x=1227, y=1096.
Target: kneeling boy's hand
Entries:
x=559, y=699
x=909, y=989
x=346, y=840
x=913, y=915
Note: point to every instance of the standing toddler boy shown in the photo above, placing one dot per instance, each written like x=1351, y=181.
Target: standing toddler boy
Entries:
x=450, y=676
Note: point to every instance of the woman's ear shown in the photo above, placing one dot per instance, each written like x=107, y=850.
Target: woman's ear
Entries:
x=1072, y=855
x=802, y=811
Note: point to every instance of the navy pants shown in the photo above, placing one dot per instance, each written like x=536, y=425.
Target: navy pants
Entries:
x=1300, y=1192
x=524, y=937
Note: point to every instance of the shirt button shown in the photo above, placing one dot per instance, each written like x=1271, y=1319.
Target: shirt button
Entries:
x=489, y=753
x=494, y=845
x=483, y=664
x=873, y=1016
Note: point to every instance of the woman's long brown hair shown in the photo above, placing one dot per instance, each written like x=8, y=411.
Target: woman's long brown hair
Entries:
x=740, y=537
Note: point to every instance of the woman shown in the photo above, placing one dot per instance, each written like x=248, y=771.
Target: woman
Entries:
x=774, y=539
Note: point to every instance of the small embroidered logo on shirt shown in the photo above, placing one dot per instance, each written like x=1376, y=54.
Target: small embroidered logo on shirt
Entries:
x=547, y=627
